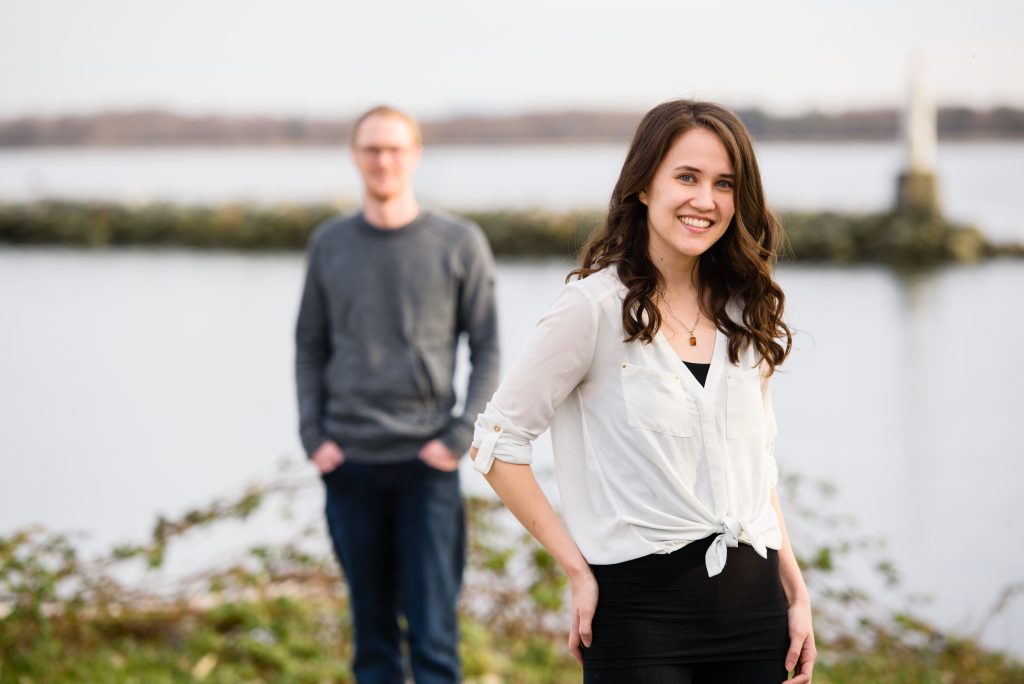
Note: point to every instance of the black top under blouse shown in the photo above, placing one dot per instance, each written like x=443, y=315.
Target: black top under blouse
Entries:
x=699, y=370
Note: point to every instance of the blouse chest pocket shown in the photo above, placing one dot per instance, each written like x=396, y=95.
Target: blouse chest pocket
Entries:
x=745, y=407
x=656, y=401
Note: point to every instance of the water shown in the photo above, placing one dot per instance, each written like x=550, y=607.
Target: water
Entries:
x=138, y=382
x=978, y=181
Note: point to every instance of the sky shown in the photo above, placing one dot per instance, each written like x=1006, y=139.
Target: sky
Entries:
x=435, y=58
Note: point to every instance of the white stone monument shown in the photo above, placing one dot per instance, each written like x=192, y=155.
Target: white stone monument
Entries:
x=916, y=189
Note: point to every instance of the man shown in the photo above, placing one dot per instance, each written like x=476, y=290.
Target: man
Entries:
x=388, y=292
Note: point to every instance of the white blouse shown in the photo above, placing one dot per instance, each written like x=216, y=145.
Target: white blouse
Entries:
x=646, y=459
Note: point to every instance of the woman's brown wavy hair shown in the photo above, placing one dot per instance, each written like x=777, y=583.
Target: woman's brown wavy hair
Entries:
x=738, y=267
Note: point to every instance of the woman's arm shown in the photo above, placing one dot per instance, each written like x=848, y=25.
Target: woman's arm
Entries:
x=553, y=364
x=802, y=652
x=517, y=487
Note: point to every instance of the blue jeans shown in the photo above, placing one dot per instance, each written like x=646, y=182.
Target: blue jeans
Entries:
x=399, y=533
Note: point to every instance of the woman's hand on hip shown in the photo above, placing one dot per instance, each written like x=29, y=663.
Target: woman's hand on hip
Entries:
x=801, y=655
x=584, y=603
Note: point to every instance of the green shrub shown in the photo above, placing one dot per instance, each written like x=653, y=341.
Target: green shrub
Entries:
x=279, y=614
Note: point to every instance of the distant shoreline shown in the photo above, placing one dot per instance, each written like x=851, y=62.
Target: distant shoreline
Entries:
x=158, y=128
x=343, y=145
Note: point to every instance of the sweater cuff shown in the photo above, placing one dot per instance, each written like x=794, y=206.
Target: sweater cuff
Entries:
x=457, y=437
x=312, y=440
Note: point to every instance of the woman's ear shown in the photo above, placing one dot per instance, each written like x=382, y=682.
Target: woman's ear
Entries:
x=643, y=197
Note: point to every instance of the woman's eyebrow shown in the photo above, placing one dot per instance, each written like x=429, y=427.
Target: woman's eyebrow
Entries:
x=694, y=169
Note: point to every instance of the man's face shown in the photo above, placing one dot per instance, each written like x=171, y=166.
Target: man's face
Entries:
x=386, y=153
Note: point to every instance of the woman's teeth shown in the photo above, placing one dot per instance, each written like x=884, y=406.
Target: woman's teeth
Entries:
x=695, y=222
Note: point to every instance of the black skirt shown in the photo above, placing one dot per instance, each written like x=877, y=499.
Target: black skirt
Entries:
x=663, y=609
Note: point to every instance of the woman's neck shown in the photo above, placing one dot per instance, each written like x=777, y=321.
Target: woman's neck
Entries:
x=687, y=327
x=678, y=278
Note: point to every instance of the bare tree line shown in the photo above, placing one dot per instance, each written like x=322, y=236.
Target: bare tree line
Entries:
x=157, y=127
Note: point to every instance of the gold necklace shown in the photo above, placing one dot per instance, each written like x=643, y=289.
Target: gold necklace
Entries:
x=692, y=329
x=693, y=337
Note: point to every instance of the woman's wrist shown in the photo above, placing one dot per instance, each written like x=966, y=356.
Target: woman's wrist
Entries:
x=794, y=588
x=798, y=598
x=578, y=570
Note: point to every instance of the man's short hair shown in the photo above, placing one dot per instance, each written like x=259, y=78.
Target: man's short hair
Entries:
x=384, y=110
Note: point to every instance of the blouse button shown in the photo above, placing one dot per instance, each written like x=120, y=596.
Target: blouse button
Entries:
x=497, y=428
x=623, y=365
x=728, y=376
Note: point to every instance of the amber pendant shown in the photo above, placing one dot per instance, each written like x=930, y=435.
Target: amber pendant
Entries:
x=693, y=341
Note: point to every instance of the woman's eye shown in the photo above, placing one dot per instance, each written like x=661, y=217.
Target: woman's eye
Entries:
x=726, y=184
x=687, y=178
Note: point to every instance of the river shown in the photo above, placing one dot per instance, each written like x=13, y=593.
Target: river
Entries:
x=137, y=382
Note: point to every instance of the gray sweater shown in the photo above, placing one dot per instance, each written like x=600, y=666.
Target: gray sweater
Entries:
x=378, y=326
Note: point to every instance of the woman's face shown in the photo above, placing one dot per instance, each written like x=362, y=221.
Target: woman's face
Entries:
x=690, y=199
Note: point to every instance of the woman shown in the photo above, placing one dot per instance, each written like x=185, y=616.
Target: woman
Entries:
x=652, y=369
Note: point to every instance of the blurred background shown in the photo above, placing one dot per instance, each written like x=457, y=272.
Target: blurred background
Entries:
x=138, y=380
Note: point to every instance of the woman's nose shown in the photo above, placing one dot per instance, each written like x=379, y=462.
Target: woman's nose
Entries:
x=703, y=197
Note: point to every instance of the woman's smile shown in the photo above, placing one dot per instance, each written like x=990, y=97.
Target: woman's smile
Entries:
x=696, y=224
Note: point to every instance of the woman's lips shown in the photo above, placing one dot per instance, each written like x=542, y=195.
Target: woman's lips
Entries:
x=695, y=224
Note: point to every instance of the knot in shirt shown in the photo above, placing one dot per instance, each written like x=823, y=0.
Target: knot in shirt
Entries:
x=729, y=536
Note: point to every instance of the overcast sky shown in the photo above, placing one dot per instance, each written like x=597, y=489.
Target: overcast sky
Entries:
x=439, y=57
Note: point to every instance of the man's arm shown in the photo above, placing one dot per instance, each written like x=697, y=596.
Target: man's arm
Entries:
x=312, y=351
x=477, y=316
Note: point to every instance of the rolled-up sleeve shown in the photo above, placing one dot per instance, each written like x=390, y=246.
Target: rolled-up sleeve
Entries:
x=496, y=437
x=555, y=362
